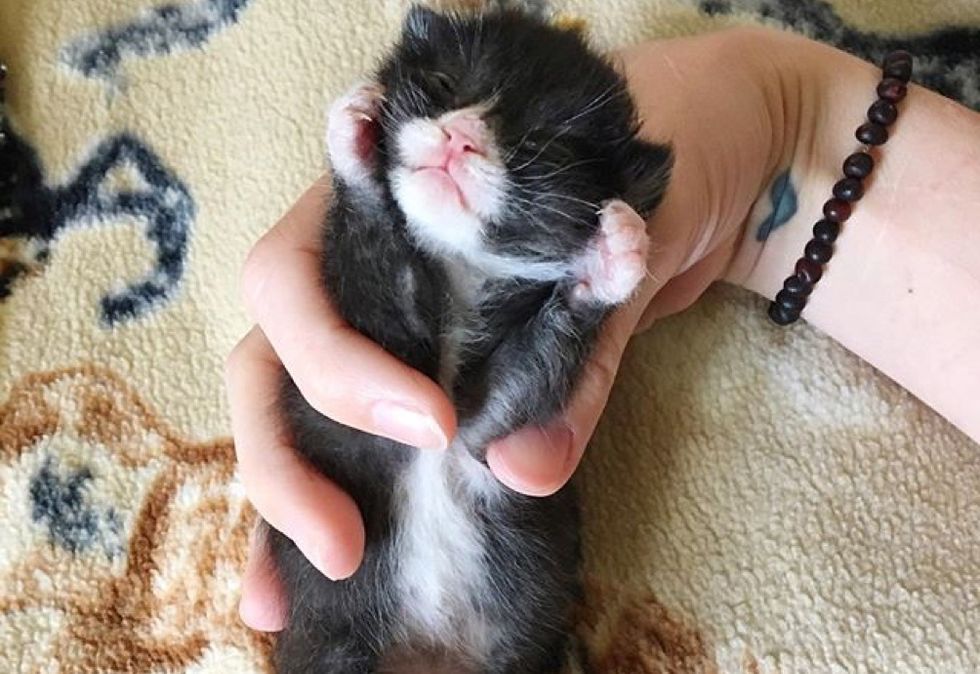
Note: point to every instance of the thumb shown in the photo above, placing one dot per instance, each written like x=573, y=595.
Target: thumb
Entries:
x=538, y=461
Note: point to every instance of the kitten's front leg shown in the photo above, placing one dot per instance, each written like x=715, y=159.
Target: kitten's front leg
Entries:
x=380, y=283
x=528, y=377
x=616, y=260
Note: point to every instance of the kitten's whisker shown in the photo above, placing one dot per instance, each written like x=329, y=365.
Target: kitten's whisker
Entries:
x=590, y=204
x=561, y=132
x=541, y=196
x=598, y=102
x=562, y=168
x=538, y=204
x=519, y=145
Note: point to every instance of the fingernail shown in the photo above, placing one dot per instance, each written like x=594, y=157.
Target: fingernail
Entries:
x=408, y=426
x=535, y=460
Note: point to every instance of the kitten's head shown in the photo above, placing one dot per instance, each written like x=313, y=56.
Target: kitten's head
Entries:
x=503, y=134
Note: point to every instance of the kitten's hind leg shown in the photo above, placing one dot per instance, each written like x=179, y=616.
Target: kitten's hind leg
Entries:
x=300, y=652
x=320, y=636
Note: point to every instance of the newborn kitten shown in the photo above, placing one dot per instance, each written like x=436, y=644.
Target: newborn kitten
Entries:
x=484, y=222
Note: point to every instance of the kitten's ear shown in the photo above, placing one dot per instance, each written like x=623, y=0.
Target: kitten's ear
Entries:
x=418, y=22
x=646, y=172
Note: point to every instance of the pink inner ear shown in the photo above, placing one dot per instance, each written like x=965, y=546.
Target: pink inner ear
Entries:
x=366, y=139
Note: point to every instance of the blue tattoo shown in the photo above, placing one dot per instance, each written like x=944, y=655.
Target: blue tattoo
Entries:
x=784, y=205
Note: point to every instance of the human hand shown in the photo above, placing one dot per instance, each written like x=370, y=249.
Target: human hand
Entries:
x=729, y=137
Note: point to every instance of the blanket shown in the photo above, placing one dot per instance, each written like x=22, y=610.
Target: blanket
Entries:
x=755, y=500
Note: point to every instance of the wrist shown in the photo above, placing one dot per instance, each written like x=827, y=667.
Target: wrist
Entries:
x=825, y=94
x=716, y=99
x=901, y=290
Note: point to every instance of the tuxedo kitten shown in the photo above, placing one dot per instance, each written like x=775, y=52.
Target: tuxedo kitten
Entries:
x=487, y=215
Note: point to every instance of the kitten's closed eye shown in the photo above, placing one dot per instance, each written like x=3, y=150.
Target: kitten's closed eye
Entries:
x=440, y=82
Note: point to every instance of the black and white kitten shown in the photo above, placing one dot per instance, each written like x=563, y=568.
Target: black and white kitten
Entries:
x=487, y=186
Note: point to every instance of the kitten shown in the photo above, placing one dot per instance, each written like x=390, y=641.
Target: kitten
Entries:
x=484, y=222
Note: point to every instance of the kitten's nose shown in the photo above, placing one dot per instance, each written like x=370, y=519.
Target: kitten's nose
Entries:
x=464, y=134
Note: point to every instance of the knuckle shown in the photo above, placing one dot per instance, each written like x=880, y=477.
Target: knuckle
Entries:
x=234, y=360
x=327, y=396
x=600, y=375
x=255, y=273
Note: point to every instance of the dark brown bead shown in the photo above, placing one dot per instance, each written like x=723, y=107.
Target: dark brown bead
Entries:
x=809, y=271
x=837, y=210
x=780, y=316
x=870, y=133
x=896, y=55
x=848, y=189
x=892, y=89
x=794, y=285
x=3, y=72
x=859, y=165
x=818, y=251
x=898, y=64
x=790, y=302
x=826, y=231
x=883, y=112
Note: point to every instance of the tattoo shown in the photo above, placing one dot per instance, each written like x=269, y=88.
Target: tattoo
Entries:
x=784, y=205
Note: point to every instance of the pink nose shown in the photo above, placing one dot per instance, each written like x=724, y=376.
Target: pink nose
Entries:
x=463, y=135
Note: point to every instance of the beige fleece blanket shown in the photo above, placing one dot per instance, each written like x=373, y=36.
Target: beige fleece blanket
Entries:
x=756, y=500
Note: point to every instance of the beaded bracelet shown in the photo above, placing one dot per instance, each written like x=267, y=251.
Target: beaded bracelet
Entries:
x=790, y=301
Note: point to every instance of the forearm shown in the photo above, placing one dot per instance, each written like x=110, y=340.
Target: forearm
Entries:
x=903, y=288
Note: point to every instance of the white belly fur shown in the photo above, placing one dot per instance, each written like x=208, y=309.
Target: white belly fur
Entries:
x=441, y=553
x=440, y=547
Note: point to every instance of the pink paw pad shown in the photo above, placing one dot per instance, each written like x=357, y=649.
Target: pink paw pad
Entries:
x=616, y=261
x=352, y=131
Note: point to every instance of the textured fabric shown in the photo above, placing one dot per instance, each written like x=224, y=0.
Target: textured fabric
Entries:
x=756, y=500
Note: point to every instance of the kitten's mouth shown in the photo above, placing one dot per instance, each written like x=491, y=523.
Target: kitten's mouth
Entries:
x=449, y=154
x=443, y=178
x=451, y=163
x=449, y=180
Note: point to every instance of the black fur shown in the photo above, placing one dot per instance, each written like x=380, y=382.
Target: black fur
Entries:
x=565, y=119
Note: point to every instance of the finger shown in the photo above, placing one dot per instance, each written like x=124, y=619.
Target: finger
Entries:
x=539, y=461
x=290, y=495
x=342, y=374
x=262, y=606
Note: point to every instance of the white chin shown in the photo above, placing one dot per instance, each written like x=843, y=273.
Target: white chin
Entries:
x=436, y=212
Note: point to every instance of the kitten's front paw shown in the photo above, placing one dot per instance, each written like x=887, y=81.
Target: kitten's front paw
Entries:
x=616, y=260
x=352, y=132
